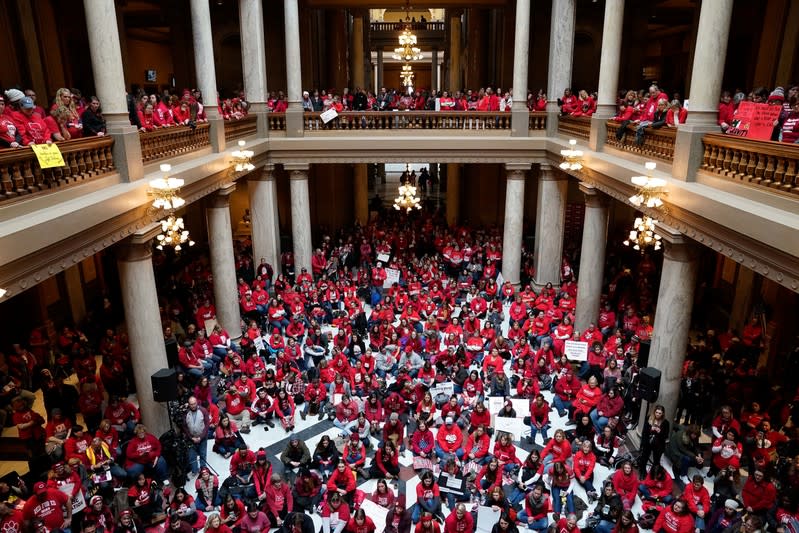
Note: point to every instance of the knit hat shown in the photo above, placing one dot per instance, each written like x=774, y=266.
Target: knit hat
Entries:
x=731, y=504
x=14, y=95
x=96, y=498
x=777, y=95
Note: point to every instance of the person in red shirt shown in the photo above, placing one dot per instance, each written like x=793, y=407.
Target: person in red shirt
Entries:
x=625, y=482
x=675, y=519
x=726, y=111
x=568, y=103
x=143, y=454
x=279, y=500
x=51, y=506
x=33, y=127
x=459, y=521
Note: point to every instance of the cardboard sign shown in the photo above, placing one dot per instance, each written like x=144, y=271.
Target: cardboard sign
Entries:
x=392, y=277
x=521, y=406
x=376, y=513
x=495, y=404
x=328, y=115
x=754, y=121
x=383, y=258
x=514, y=426
x=576, y=350
x=487, y=517
x=49, y=155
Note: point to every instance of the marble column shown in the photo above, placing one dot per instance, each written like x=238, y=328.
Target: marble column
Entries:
x=357, y=69
x=106, y=57
x=608, y=72
x=434, y=70
x=741, y=308
x=549, y=224
x=361, y=190
x=453, y=193
x=592, y=257
x=514, y=221
x=561, y=49
x=253, y=53
x=223, y=265
x=143, y=322
x=294, y=122
x=520, y=115
x=300, y=216
x=710, y=54
x=265, y=221
x=77, y=302
x=455, y=28
x=206, y=76
x=673, y=315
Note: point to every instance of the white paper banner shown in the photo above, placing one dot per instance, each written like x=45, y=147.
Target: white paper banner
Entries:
x=392, y=277
x=376, y=513
x=576, y=350
x=383, y=258
x=447, y=388
x=514, y=426
x=486, y=518
x=495, y=404
x=328, y=115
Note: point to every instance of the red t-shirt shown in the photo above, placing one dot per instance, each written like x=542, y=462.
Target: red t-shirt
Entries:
x=48, y=507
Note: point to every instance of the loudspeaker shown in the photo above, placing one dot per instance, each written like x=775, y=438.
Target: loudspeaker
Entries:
x=649, y=384
x=165, y=385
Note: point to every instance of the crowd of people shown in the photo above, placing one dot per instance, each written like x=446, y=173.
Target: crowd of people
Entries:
x=404, y=371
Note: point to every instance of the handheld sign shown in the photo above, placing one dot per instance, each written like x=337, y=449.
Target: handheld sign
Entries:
x=328, y=115
x=576, y=350
x=49, y=155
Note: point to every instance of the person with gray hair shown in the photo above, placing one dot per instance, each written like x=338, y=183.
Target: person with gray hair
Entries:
x=658, y=121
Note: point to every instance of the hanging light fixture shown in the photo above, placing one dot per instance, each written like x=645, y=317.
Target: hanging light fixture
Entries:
x=643, y=235
x=242, y=157
x=650, y=190
x=165, y=189
x=407, y=199
x=572, y=158
x=407, y=50
x=407, y=75
x=173, y=233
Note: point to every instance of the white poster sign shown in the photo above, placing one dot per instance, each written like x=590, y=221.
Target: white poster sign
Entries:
x=514, y=426
x=392, y=277
x=521, y=406
x=376, y=513
x=576, y=350
x=500, y=279
x=328, y=115
x=447, y=388
x=495, y=404
x=383, y=258
x=487, y=517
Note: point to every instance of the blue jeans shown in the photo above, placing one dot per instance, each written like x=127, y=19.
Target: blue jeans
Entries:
x=646, y=493
x=198, y=450
x=557, y=505
x=446, y=455
x=539, y=525
x=561, y=405
x=160, y=471
x=599, y=421
x=604, y=526
x=416, y=513
x=202, y=506
x=534, y=430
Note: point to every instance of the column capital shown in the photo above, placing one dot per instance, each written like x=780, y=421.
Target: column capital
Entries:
x=222, y=197
x=550, y=173
x=677, y=247
x=139, y=246
x=514, y=168
x=593, y=196
x=267, y=173
x=297, y=170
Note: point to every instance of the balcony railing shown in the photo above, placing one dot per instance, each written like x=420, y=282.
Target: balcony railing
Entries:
x=766, y=164
x=538, y=121
x=398, y=26
x=277, y=121
x=170, y=142
x=236, y=129
x=579, y=127
x=413, y=120
x=658, y=142
x=20, y=173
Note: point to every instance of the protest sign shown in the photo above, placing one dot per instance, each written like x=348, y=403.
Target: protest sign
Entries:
x=576, y=350
x=754, y=121
x=49, y=155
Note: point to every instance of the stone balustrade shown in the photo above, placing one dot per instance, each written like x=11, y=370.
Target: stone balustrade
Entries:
x=236, y=129
x=658, y=142
x=171, y=142
x=574, y=127
x=21, y=175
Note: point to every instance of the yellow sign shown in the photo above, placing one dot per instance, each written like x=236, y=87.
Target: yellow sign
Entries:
x=49, y=155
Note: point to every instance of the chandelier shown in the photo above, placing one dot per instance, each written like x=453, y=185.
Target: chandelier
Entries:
x=572, y=158
x=407, y=199
x=643, y=234
x=165, y=190
x=407, y=75
x=241, y=158
x=173, y=233
x=650, y=190
x=407, y=50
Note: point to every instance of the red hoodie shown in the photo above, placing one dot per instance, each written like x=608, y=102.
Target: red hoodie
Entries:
x=670, y=522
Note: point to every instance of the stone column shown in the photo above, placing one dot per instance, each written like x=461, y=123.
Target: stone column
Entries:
x=608, y=72
x=514, y=219
x=361, y=186
x=357, y=69
x=253, y=53
x=673, y=315
x=294, y=122
x=300, y=216
x=453, y=193
x=143, y=321
x=741, y=308
x=336, y=47
x=379, y=70
x=550, y=214
x=455, y=29
x=223, y=266
x=561, y=48
x=265, y=221
x=101, y=24
x=77, y=302
x=434, y=70
x=710, y=54
x=206, y=76
x=520, y=115
x=592, y=257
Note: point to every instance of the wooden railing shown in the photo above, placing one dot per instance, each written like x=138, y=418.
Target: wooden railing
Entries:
x=170, y=142
x=657, y=142
x=404, y=120
x=579, y=127
x=277, y=121
x=84, y=159
x=538, y=121
x=236, y=129
x=759, y=163
x=397, y=26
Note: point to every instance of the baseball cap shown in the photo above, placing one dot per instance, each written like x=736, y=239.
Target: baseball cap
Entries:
x=39, y=487
x=448, y=421
x=27, y=103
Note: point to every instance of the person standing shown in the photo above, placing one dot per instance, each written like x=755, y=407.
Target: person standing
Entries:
x=195, y=429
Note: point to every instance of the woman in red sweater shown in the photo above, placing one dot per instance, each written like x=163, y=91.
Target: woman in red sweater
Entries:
x=557, y=449
x=657, y=486
x=342, y=480
x=587, y=398
x=505, y=452
x=584, y=463
x=675, y=519
x=625, y=481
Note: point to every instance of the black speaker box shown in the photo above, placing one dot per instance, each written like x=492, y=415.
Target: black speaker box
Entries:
x=165, y=385
x=649, y=384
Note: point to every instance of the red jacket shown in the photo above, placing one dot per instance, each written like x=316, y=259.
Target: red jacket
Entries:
x=278, y=499
x=670, y=522
x=344, y=480
x=453, y=524
x=560, y=452
x=759, y=496
x=584, y=464
x=142, y=451
x=626, y=486
x=694, y=498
